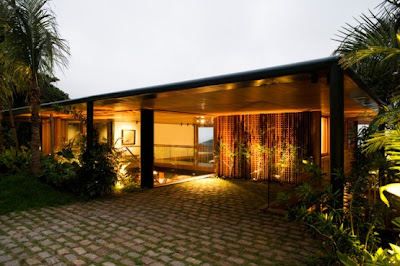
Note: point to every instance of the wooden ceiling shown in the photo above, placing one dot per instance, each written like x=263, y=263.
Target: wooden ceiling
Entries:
x=291, y=93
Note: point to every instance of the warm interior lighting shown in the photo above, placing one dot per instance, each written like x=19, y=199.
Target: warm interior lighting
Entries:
x=269, y=145
x=118, y=185
x=324, y=135
x=200, y=120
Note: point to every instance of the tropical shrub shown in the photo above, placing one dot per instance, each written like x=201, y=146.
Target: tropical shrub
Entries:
x=60, y=171
x=86, y=173
x=355, y=229
x=125, y=179
x=12, y=161
x=351, y=229
x=96, y=174
x=387, y=256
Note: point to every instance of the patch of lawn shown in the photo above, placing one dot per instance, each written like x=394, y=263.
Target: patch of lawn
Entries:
x=21, y=192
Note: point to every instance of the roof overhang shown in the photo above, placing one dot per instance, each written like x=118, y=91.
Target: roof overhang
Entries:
x=289, y=88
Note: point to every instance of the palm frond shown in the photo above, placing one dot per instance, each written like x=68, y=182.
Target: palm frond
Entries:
x=374, y=39
x=32, y=44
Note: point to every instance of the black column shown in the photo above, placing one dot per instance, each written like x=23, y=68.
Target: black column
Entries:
x=336, y=124
x=89, y=125
x=146, y=148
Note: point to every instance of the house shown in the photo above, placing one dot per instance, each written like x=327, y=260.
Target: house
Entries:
x=258, y=124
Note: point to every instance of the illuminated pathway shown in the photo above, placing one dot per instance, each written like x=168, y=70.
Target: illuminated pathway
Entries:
x=203, y=222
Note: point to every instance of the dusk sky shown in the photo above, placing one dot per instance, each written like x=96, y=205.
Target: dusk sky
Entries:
x=127, y=44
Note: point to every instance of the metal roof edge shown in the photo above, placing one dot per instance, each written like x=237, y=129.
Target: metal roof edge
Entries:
x=270, y=72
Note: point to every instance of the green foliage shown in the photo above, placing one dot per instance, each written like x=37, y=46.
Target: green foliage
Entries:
x=96, y=173
x=372, y=49
x=30, y=47
x=229, y=159
x=351, y=229
x=31, y=44
x=48, y=93
x=125, y=179
x=131, y=187
x=12, y=161
x=86, y=173
x=379, y=257
x=283, y=198
x=51, y=93
x=61, y=175
x=19, y=192
x=350, y=232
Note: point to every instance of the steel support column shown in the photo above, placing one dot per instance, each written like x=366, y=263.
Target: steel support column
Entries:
x=336, y=125
x=146, y=148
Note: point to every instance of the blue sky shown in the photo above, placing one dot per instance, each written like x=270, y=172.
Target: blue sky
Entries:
x=126, y=44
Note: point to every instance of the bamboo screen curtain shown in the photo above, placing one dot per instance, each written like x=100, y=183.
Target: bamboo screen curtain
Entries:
x=265, y=145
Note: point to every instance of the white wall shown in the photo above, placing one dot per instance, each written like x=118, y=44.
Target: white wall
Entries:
x=119, y=126
x=171, y=134
x=164, y=134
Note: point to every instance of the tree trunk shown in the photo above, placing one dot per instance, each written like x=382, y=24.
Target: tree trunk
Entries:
x=14, y=129
x=35, y=126
x=1, y=129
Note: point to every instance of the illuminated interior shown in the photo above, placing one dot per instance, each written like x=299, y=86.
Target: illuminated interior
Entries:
x=324, y=136
x=276, y=120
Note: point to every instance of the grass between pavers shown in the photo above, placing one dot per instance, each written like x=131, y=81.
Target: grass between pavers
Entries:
x=20, y=192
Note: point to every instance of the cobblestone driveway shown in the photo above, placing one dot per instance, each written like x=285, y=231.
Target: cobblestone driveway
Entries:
x=203, y=222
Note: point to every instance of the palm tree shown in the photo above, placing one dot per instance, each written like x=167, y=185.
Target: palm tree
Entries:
x=372, y=49
x=3, y=96
x=31, y=47
x=7, y=90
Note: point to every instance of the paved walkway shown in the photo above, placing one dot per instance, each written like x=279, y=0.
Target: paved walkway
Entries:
x=203, y=222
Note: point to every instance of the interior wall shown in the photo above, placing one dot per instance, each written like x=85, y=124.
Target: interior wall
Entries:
x=59, y=134
x=118, y=126
x=172, y=134
x=173, y=141
x=46, y=149
x=73, y=128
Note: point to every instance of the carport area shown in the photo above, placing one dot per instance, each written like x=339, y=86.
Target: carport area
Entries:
x=278, y=115
x=204, y=222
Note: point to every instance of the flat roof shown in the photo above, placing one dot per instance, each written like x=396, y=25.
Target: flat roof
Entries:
x=294, y=87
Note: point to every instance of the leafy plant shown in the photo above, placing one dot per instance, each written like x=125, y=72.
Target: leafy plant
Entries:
x=31, y=46
x=227, y=154
x=12, y=161
x=125, y=178
x=96, y=174
x=379, y=257
x=349, y=230
x=283, y=198
x=59, y=174
x=372, y=49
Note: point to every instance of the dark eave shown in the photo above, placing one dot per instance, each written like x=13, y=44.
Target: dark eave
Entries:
x=353, y=75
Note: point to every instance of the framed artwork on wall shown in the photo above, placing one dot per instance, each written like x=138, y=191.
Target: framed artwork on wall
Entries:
x=128, y=136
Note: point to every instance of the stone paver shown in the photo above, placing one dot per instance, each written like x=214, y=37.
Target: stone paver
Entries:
x=203, y=222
